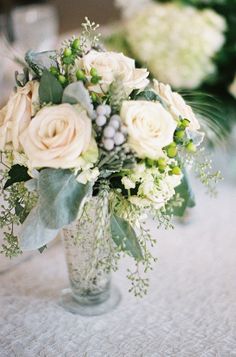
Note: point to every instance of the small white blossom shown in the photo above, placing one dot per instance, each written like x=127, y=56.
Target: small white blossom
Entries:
x=89, y=175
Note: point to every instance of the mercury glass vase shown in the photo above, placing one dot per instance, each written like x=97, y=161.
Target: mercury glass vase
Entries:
x=88, y=251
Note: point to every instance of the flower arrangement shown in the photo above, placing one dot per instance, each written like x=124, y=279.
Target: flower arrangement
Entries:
x=85, y=122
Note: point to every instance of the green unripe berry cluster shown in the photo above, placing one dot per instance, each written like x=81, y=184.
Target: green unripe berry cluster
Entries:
x=70, y=53
x=56, y=73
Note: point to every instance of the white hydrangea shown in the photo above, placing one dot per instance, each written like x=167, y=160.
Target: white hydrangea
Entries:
x=155, y=189
x=232, y=88
x=177, y=43
x=131, y=7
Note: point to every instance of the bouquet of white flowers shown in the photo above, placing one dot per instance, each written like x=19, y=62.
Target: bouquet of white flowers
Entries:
x=83, y=122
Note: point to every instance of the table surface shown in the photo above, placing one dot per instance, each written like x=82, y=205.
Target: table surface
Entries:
x=190, y=310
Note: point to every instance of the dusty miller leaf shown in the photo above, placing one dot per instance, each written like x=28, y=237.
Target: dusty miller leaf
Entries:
x=76, y=93
x=60, y=197
x=34, y=234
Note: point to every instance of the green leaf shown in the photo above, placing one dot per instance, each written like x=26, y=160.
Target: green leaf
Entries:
x=185, y=192
x=76, y=93
x=34, y=234
x=19, y=210
x=50, y=90
x=125, y=237
x=60, y=197
x=17, y=173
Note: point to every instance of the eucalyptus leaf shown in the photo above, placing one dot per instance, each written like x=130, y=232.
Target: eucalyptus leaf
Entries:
x=125, y=237
x=50, y=90
x=60, y=197
x=186, y=193
x=41, y=61
x=17, y=173
x=76, y=93
x=33, y=234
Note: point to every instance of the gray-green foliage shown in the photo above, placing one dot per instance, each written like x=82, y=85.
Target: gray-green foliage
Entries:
x=33, y=233
x=60, y=197
x=76, y=93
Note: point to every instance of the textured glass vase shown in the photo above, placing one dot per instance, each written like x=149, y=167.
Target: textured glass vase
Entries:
x=87, y=243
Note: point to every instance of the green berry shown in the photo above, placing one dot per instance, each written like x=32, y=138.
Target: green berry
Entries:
x=162, y=162
x=68, y=60
x=76, y=44
x=80, y=75
x=93, y=72
x=150, y=162
x=173, y=145
x=95, y=79
x=185, y=123
x=94, y=97
x=161, y=168
x=178, y=123
x=190, y=147
x=62, y=79
x=179, y=134
x=54, y=70
x=172, y=151
x=176, y=170
x=67, y=52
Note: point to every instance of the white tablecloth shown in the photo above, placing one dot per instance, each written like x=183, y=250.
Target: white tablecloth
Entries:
x=190, y=310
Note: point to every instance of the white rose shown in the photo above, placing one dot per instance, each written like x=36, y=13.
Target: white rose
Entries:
x=111, y=66
x=57, y=137
x=176, y=104
x=16, y=115
x=149, y=126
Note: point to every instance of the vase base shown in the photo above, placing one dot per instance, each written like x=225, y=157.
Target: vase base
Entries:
x=69, y=303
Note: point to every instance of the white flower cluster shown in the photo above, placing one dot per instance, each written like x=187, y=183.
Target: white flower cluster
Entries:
x=177, y=43
x=155, y=189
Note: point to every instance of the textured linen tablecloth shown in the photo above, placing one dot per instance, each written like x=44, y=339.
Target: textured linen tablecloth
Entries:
x=190, y=309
